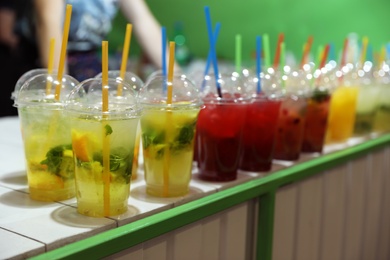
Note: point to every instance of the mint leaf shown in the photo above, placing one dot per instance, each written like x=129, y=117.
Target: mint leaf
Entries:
x=54, y=159
x=108, y=129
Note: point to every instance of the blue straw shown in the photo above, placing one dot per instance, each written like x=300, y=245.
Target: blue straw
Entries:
x=370, y=53
x=332, y=52
x=258, y=63
x=209, y=56
x=163, y=58
x=387, y=57
x=212, y=49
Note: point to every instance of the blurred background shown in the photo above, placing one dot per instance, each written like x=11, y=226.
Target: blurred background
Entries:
x=329, y=21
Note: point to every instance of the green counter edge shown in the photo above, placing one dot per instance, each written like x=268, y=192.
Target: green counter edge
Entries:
x=264, y=188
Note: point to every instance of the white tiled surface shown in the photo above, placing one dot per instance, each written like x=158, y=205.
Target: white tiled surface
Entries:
x=45, y=226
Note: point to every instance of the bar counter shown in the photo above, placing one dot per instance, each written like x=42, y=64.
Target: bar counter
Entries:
x=334, y=205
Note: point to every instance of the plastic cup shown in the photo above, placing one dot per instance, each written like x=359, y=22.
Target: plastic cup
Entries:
x=317, y=113
x=219, y=128
x=136, y=84
x=261, y=119
x=382, y=116
x=168, y=132
x=292, y=116
x=103, y=145
x=342, y=111
x=25, y=77
x=367, y=101
x=46, y=137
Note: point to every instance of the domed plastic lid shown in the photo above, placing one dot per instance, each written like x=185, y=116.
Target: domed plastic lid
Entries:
x=296, y=81
x=184, y=92
x=232, y=88
x=87, y=99
x=45, y=89
x=130, y=78
x=26, y=76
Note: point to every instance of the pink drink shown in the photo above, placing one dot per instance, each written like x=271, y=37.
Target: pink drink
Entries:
x=290, y=130
x=259, y=134
x=219, y=132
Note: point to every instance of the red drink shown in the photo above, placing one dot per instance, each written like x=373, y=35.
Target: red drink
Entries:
x=316, y=122
x=259, y=134
x=219, y=131
x=290, y=130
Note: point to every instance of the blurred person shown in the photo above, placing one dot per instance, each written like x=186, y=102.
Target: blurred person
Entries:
x=37, y=21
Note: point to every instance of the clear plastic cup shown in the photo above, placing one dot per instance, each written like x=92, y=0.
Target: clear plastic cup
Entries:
x=220, y=128
x=136, y=84
x=168, y=131
x=46, y=137
x=103, y=145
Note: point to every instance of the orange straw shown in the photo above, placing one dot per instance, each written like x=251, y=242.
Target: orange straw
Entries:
x=171, y=62
x=306, y=51
x=277, y=53
x=106, y=137
x=50, y=64
x=167, y=154
x=125, y=56
x=65, y=36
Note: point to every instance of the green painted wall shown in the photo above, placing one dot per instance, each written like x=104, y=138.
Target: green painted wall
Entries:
x=327, y=20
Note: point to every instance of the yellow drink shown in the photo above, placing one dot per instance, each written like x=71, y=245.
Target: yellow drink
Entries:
x=48, y=153
x=168, y=140
x=87, y=141
x=342, y=114
x=136, y=154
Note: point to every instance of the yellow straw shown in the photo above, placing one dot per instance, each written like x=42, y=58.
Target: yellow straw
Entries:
x=167, y=155
x=125, y=56
x=106, y=137
x=65, y=36
x=50, y=64
x=171, y=62
x=364, y=50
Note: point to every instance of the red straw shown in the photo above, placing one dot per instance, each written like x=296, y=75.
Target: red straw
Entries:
x=344, y=54
x=306, y=50
x=324, y=56
x=277, y=54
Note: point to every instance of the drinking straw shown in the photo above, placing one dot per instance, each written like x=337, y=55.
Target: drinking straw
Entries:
x=277, y=53
x=238, y=52
x=320, y=51
x=267, y=53
x=65, y=35
x=106, y=137
x=50, y=64
x=306, y=51
x=332, y=52
x=382, y=56
x=164, y=56
x=387, y=51
x=209, y=56
x=344, y=53
x=324, y=56
x=282, y=55
x=212, y=49
x=370, y=53
x=167, y=154
x=125, y=57
x=364, y=50
x=170, y=71
x=258, y=63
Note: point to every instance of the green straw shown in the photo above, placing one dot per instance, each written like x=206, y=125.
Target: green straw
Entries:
x=320, y=51
x=238, y=52
x=267, y=55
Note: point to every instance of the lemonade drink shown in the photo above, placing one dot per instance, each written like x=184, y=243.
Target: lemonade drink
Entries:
x=168, y=143
x=382, y=116
x=46, y=136
x=366, y=107
x=342, y=114
x=87, y=141
x=48, y=153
